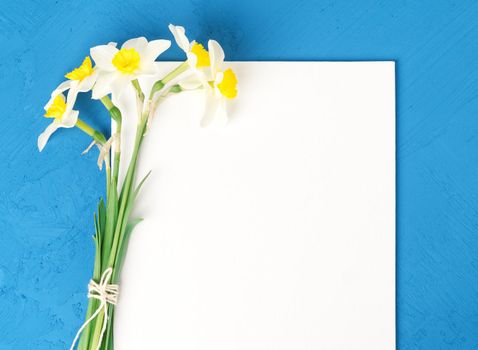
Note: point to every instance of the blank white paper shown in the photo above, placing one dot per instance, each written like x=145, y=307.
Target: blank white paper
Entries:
x=274, y=232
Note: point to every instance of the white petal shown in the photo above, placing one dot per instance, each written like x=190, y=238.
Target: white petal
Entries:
x=127, y=102
x=71, y=99
x=219, y=78
x=192, y=59
x=45, y=135
x=210, y=109
x=119, y=84
x=191, y=82
x=69, y=119
x=180, y=37
x=148, y=68
x=216, y=55
x=62, y=87
x=87, y=84
x=103, y=56
x=139, y=44
x=103, y=84
x=154, y=49
x=221, y=113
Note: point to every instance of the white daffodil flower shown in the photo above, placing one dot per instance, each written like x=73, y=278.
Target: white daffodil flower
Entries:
x=208, y=72
x=80, y=79
x=117, y=68
x=197, y=55
x=62, y=113
x=221, y=86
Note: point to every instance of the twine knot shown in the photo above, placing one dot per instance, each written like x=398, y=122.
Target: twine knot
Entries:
x=107, y=294
x=104, y=292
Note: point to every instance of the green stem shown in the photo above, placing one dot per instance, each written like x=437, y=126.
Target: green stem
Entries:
x=108, y=340
x=86, y=128
x=115, y=114
x=99, y=138
x=125, y=195
x=170, y=76
x=139, y=92
x=175, y=72
x=117, y=157
x=120, y=220
x=92, y=303
x=107, y=102
x=97, y=326
x=108, y=176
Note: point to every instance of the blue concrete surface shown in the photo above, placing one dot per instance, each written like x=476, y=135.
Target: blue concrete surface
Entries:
x=46, y=200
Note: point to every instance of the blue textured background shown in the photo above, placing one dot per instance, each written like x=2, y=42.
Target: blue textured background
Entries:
x=47, y=200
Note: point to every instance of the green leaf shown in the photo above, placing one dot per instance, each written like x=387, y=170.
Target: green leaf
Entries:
x=111, y=219
x=138, y=188
x=97, y=264
x=100, y=224
x=101, y=215
x=124, y=243
x=130, y=224
x=99, y=218
x=107, y=343
x=125, y=201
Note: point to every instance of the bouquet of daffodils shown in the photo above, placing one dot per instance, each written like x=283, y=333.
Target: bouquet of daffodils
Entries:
x=108, y=74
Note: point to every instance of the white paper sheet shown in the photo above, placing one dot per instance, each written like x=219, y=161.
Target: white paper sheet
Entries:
x=276, y=232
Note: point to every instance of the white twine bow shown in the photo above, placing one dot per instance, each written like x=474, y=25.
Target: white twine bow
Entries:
x=107, y=294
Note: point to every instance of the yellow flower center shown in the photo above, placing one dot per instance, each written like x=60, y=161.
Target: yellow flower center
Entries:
x=57, y=108
x=126, y=60
x=228, y=85
x=201, y=54
x=83, y=71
